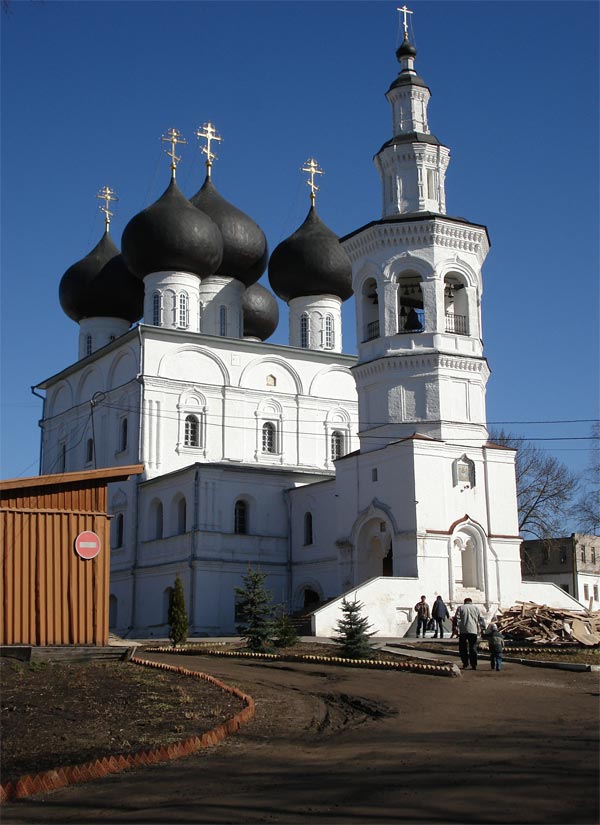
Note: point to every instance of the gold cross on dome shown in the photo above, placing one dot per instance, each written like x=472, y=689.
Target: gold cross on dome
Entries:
x=107, y=195
x=208, y=133
x=312, y=167
x=173, y=136
x=405, y=11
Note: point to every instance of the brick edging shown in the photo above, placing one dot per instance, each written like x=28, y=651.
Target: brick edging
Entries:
x=383, y=664
x=56, y=778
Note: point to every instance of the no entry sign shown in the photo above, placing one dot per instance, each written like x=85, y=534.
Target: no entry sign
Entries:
x=88, y=545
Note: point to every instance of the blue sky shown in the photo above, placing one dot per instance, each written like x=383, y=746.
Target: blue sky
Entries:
x=89, y=87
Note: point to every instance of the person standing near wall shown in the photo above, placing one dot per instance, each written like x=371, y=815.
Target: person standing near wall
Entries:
x=470, y=623
x=422, y=611
x=440, y=612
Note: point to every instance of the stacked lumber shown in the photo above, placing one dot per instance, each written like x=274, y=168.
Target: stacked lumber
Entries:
x=540, y=624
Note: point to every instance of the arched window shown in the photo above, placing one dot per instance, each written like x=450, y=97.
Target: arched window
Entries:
x=192, y=431
x=410, y=305
x=89, y=451
x=268, y=437
x=62, y=458
x=181, y=516
x=304, y=330
x=223, y=321
x=157, y=520
x=183, y=319
x=370, y=310
x=329, y=336
x=337, y=444
x=123, y=435
x=112, y=611
x=119, y=525
x=308, y=528
x=88, y=344
x=157, y=309
x=240, y=517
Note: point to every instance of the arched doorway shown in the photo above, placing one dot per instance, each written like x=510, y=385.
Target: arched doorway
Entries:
x=467, y=559
x=374, y=550
x=311, y=598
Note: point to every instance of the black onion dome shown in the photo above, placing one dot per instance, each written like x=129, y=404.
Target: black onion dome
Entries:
x=172, y=234
x=116, y=293
x=74, y=285
x=406, y=49
x=261, y=313
x=310, y=262
x=245, y=251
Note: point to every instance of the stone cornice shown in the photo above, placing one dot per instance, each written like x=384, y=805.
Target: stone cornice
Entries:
x=427, y=361
x=438, y=231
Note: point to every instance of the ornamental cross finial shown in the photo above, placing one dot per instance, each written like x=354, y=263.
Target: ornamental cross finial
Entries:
x=405, y=11
x=107, y=195
x=173, y=136
x=208, y=133
x=312, y=167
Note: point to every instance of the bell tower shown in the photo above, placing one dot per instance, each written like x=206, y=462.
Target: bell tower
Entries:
x=416, y=276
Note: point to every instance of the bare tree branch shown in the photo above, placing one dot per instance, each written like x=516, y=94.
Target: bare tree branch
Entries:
x=545, y=487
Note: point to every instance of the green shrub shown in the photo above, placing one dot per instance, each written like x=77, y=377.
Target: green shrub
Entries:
x=254, y=605
x=177, y=617
x=353, y=632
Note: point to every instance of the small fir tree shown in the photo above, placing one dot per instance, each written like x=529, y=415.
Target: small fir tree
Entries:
x=254, y=603
x=285, y=634
x=353, y=632
x=178, y=618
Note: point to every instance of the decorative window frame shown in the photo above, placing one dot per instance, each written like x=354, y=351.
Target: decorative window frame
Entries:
x=338, y=438
x=241, y=505
x=191, y=403
x=305, y=330
x=463, y=473
x=182, y=311
x=158, y=306
x=337, y=420
x=328, y=331
x=269, y=413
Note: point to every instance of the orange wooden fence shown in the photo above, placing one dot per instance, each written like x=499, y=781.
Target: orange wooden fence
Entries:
x=51, y=596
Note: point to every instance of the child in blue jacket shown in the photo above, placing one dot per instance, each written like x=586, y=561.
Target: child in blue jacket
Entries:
x=495, y=641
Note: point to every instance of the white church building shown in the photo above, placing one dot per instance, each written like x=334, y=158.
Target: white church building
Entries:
x=369, y=475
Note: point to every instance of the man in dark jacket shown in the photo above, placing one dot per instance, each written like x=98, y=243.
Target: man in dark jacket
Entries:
x=439, y=611
x=422, y=611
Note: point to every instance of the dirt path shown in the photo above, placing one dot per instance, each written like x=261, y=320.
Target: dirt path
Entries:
x=337, y=745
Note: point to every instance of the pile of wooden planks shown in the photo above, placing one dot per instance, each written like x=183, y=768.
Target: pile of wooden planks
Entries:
x=540, y=624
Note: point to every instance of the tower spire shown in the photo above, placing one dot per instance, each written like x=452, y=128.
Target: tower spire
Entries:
x=173, y=136
x=312, y=167
x=208, y=133
x=107, y=195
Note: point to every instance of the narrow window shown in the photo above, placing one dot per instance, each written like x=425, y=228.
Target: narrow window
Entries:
x=304, y=330
x=157, y=307
x=223, y=321
x=192, y=431
x=545, y=556
x=308, y=528
x=337, y=445
x=112, y=338
x=593, y=556
x=62, y=458
x=586, y=592
x=583, y=558
x=88, y=344
x=329, y=332
x=595, y=586
x=123, y=435
x=184, y=311
x=374, y=474
x=158, y=520
x=240, y=518
x=181, y=516
x=563, y=555
x=119, y=525
x=89, y=451
x=268, y=437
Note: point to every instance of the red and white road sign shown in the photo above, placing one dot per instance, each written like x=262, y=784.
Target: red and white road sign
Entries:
x=88, y=545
